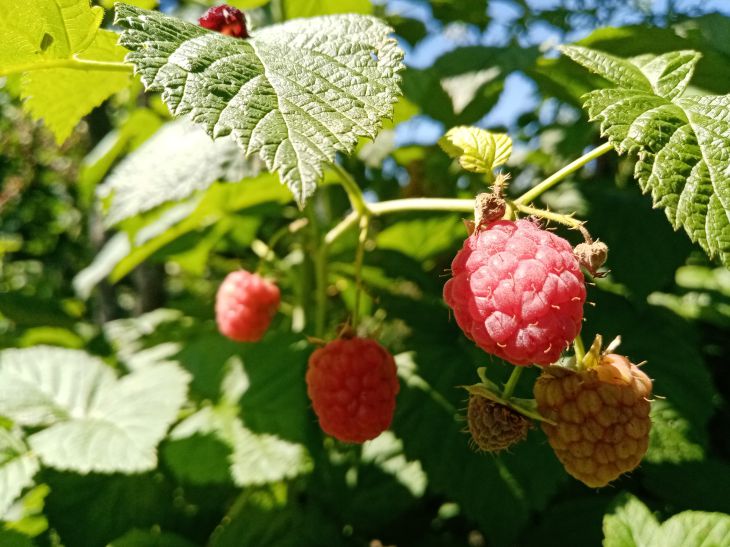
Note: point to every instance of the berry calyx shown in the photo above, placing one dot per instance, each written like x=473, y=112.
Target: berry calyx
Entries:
x=226, y=20
x=517, y=291
x=493, y=426
x=245, y=305
x=600, y=417
x=352, y=383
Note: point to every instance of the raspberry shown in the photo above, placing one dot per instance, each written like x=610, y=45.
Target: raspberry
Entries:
x=226, y=20
x=517, y=291
x=493, y=426
x=601, y=417
x=352, y=384
x=245, y=305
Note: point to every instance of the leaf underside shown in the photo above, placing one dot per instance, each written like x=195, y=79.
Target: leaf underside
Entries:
x=90, y=421
x=296, y=93
x=682, y=142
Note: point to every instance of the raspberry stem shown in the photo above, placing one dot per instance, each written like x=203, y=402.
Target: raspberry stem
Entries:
x=359, y=258
x=569, y=169
x=511, y=384
x=566, y=220
x=580, y=351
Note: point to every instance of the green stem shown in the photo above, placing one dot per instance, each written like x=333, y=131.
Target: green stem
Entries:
x=580, y=351
x=569, y=169
x=359, y=258
x=354, y=194
x=319, y=257
x=400, y=206
x=72, y=63
x=511, y=384
x=567, y=220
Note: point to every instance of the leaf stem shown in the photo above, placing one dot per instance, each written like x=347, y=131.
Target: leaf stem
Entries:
x=354, y=194
x=569, y=169
x=511, y=384
x=72, y=63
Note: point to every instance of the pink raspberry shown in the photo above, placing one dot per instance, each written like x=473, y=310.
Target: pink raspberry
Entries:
x=517, y=291
x=245, y=305
x=226, y=20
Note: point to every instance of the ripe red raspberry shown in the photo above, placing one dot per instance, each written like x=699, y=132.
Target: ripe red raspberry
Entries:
x=493, y=426
x=601, y=417
x=245, y=305
x=517, y=291
x=352, y=384
x=226, y=20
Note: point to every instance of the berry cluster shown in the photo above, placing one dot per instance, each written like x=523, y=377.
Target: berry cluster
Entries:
x=518, y=292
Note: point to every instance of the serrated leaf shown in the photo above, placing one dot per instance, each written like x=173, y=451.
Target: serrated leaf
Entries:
x=94, y=421
x=295, y=93
x=255, y=459
x=682, y=142
x=630, y=525
x=17, y=468
x=696, y=529
x=177, y=161
x=477, y=150
x=35, y=36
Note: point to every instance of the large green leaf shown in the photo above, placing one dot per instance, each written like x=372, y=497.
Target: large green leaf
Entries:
x=682, y=142
x=17, y=468
x=631, y=524
x=296, y=93
x=93, y=421
x=37, y=37
x=177, y=161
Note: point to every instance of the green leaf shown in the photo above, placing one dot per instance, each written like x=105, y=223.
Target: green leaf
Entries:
x=682, y=142
x=632, y=525
x=94, y=510
x=17, y=468
x=696, y=529
x=295, y=93
x=177, y=161
x=478, y=150
x=93, y=421
x=294, y=9
x=255, y=459
x=38, y=38
x=422, y=238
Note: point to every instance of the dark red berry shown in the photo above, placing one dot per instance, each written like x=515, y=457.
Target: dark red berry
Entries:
x=226, y=20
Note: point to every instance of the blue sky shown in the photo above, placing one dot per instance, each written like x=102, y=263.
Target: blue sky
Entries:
x=519, y=94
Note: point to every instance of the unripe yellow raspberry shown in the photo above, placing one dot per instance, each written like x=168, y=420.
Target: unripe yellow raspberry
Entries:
x=600, y=417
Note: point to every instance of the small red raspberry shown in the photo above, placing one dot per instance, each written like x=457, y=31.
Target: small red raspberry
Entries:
x=600, y=417
x=352, y=384
x=226, y=20
x=245, y=305
x=517, y=291
x=493, y=426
